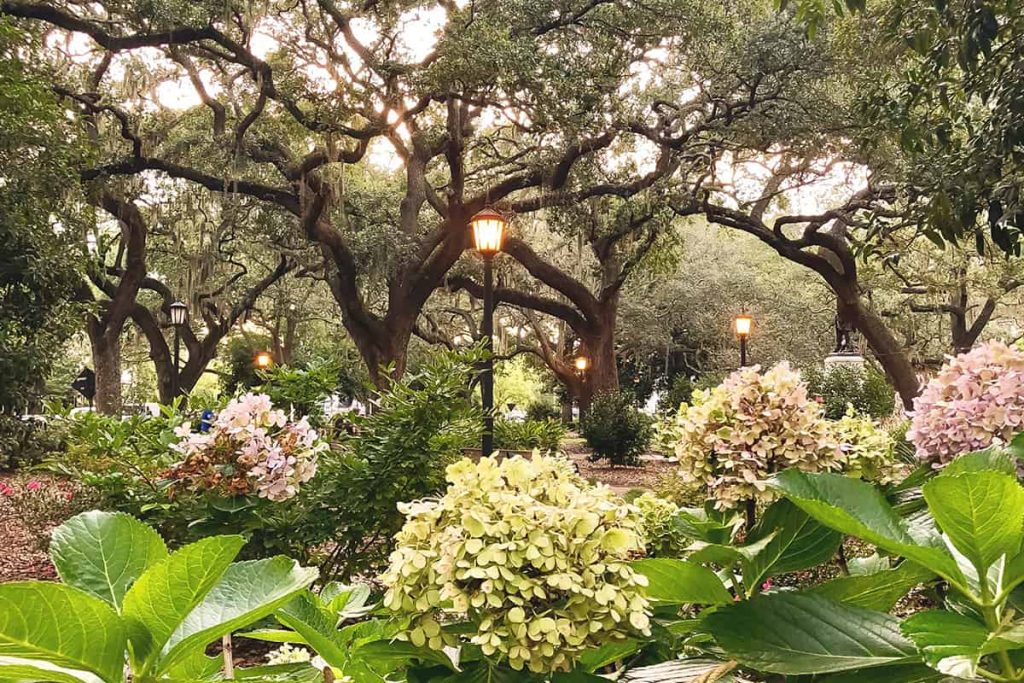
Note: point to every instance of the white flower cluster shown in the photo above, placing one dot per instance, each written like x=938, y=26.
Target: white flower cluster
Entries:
x=289, y=654
x=250, y=448
x=529, y=553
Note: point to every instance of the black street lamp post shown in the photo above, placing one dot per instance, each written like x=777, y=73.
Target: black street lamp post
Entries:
x=488, y=232
x=743, y=324
x=179, y=318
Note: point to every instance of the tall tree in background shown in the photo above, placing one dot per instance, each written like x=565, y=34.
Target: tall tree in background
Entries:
x=205, y=251
x=39, y=266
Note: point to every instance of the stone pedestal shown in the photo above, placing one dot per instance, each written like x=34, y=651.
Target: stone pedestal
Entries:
x=844, y=360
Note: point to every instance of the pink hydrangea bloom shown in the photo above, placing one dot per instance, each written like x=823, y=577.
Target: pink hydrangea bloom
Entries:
x=273, y=455
x=977, y=399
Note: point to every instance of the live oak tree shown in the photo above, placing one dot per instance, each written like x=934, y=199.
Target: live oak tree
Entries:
x=944, y=300
x=499, y=108
x=187, y=248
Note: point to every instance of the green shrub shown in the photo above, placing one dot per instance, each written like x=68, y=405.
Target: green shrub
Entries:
x=419, y=425
x=545, y=435
x=616, y=430
x=123, y=460
x=865, y=388
x=25, y=443
x=302, y=391
x=125, y=465
x=543, y=410
x=677, y=394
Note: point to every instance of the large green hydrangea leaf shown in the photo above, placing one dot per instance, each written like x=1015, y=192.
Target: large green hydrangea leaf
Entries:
x=247, y=592
x=165, y=595
x=982, y=512
x=49, y=626
x=104, y=553
x=857, y=508
x=796, y=633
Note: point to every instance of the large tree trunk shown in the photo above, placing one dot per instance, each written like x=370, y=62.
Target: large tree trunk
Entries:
x=602, y=377
x=196, y=365
x=106, y=360
x=887, y=349
x=384, y=348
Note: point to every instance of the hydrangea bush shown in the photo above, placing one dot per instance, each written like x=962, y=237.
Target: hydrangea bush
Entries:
x=660, y=535
x=976, y=399
x=251, y=448
x=533, y=556
x=733, y=437
x=868, y=449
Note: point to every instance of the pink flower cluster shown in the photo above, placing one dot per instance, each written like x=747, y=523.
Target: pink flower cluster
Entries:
x=977, y=399
x=250, y=448
x=33, y=486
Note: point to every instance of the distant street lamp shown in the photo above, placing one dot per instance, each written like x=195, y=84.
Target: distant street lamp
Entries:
x=488, y=234
x=179, y=318
x=263, y=360
x=743, y=324
x=582, y=364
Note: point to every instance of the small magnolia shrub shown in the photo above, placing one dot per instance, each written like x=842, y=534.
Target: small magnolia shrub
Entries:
x=977, y=398
x=531, y=554
x=657, y=514
x=735, y=436
x=251, y=448
x=868, y=450
x=616, y=430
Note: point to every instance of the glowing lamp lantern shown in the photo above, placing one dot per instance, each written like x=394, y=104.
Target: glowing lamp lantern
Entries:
x=743, y=325
x=179, y=318
x=582, y=363
x=488, y=231
x=179, y=314
x=263, y=360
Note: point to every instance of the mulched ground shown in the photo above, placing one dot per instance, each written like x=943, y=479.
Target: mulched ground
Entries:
x=620, y=479
x=624, y=479
x=20, y=556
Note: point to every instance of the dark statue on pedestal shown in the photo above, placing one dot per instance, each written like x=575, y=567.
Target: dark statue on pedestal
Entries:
x=844, y=337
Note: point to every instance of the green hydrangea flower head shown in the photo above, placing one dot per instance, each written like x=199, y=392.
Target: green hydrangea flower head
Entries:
x=530, y=554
